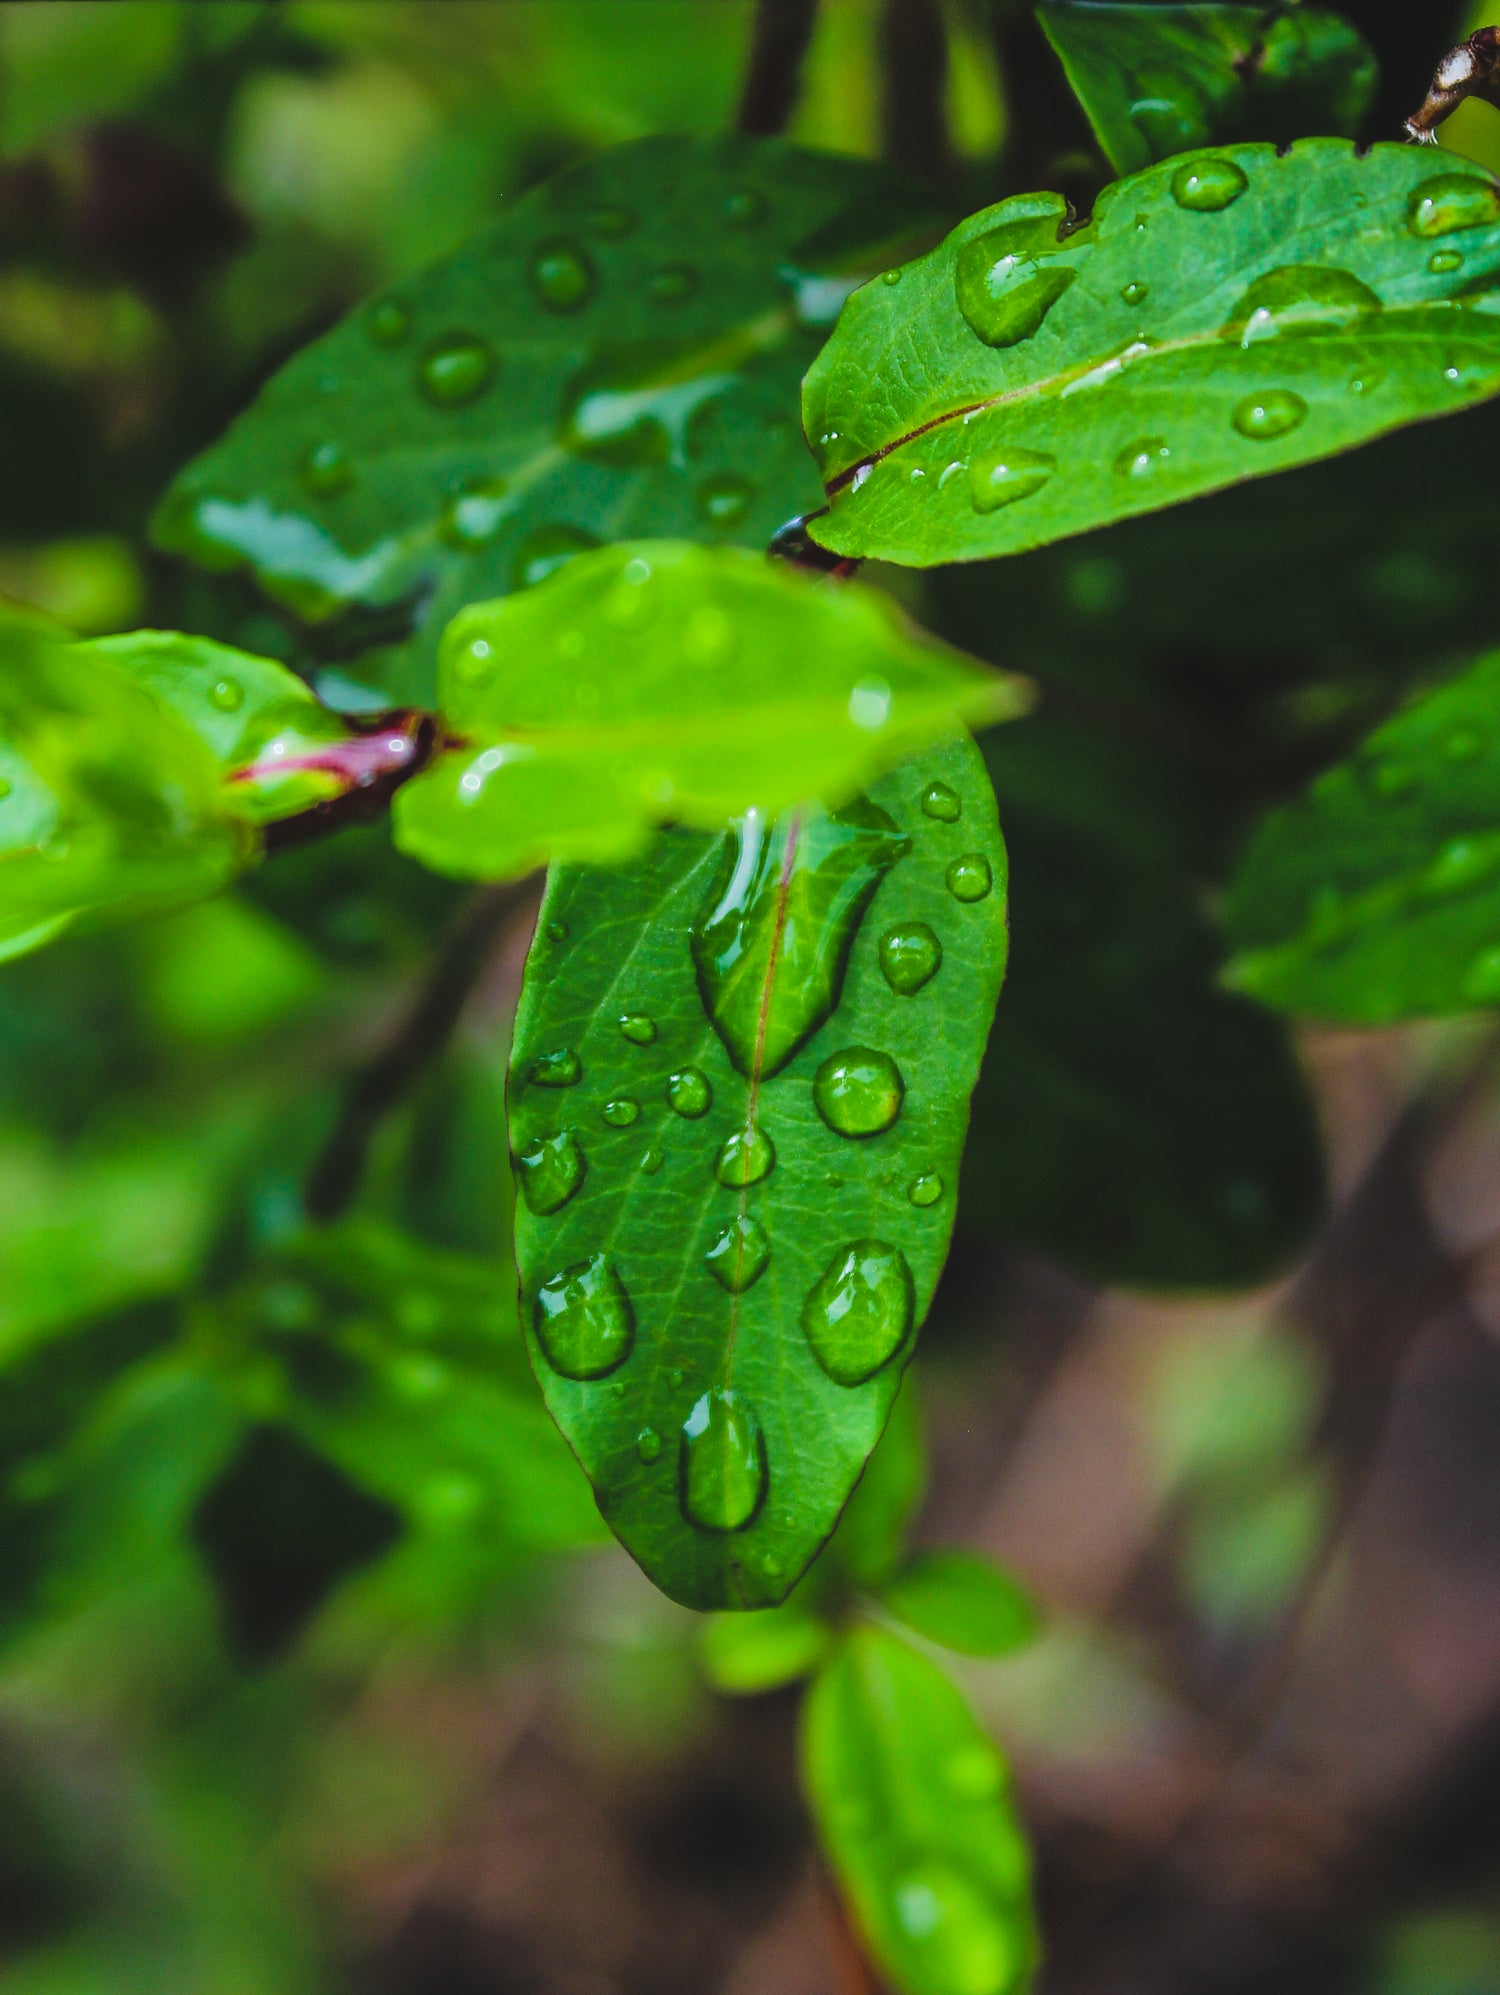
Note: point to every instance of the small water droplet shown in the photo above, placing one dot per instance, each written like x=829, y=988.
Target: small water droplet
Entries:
x=550, y=1169
x=925, y=1190
x=228, y=695
x=559, y=1069
x=457, y=370
x=723, y=1463
x=1443, y=262
x=1263, y=418
x=388, y=323
x=1007, y=280
x=1460, y=864
x=562, y=275
x=969, y=878
x=1005, y=476
x=609, y=221
x=724, y=500
x=1463, y=744
x=474, y=516
x=745, y=207
x=648, y=1444
x=676, y=1375
x=652, y=1161
x=1450, y=202
x=1390, y=779
x=620, y=1111
x=1482, y=984
x=638, y=1028
x=689, y=1092
x=1139, y=460
x=672, y=283
x=557, y=931
x=545, y=550
x=942, y=803
x=1207, y=186
x=910, y=956
x=1367, y=380
x=859, y=1091
x=1135, y=293
x=962, y=1942
x=891, y=276
x=583, y=1319
x=747, y=1157
x=326, y=469
x=738, y=1258
x=859, y=1311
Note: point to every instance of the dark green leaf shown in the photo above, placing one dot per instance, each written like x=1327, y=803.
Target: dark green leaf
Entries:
x=1221, y=316
x=1165, y=78
x=912, y=1804
x=962, y=1602
x=693, y=1226
x=649, y=681
x=1376, y=896
x=618, y=356
x=743, y=1654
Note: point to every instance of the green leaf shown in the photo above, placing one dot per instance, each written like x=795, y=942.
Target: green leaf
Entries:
x=872, y=1533
x=1221, y=316
x=912, y=1804
x=1376, y=895
x=721, y=1275
x=743, y=1654
x=649, y=682
x=963, y=1602
x=1162, y=79
x=619, y=355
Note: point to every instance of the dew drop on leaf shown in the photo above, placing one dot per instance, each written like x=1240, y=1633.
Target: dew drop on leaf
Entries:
x=1450, y=202
x=1482, y=983
x=964, y=1945
x=943, y=803
x=1460, y=864
x=610, y=221
x=228, y=695
x=738, y=1258
x=969, y=877
x=561, y=1068
x=550, y=1169
x=724, y=500
x=648, y=1444
x=910, y=956
x=1207, y=186
x=891, y=276
x=457, y=370
x=638, y=1028
x=1443, y=262
x=583, y=1319
x=857, y=1314
x=388, y=323
x=1276, y=413
x=561, y=275
x=1299, y=299
x=557, y=931
x=326, y=469
x=859, y=1091
x=652, y=1161
x=1005, y=281
x=925, y=1190
x=1463, y=744
x=672, y=283
x=620, y=1111
x=1135, y=293
x=1007, y=475
x=689, y=1092
x=545, y=550
x=747, y=1156
x=723, y=1463
x=474, y=516
x=1140, y=459
x=1390, y=779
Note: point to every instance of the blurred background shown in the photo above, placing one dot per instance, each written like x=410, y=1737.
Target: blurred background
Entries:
x=317, y=1670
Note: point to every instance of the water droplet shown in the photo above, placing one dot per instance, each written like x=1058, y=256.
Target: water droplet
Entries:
x=969, y=878
x=1390, y=779
x=559, y=1069
x=925, y=1190
x=1135, y=293
x=638, y=1028
x=474, y=516
x=1482, y=984
x=724, y=500
x=562, y=276
x=688, y=1091
x=910, y=956
x=388, y=323
x=620, y=1111
x=1006, y=476
x=1141, y=459
x=1006, y=281
x=676, y=1375
x=648, y=1444
x=546, y=550
x=723, y=1463
x=609, y=221
x=583, y=1319
x=1463, y=744
x=942, y=803
x=747, y=1157
x=745, y=207
x=557, y=931
x=859, y=1311
x=1301, y=299
x=1263, y=418
x=457, y=370
x=672, y=283
x=652, y=1161
x=859, y=1091
x=1443, y=262
x=643, y=404
x=738, y=1258
x=550, y=1169
x=891, y=276
x=1367, y=380
x=228, y=695
x=326, y=469
x=962, y=1941
x=1207, y=186
x=772, y=940
x=1460, y=864
x=1450, y=202
x=870, y=703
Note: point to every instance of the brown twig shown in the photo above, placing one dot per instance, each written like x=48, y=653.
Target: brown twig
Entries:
x=773, y=82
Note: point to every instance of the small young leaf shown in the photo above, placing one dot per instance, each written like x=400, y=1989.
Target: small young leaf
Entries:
x=1376, y=895
x=743, y=1654
x=649, y=682
x=1162, y=79
x=912, y=1804
x=872, y=1533
x=962, y=1602
x=619, y=355
x=739, y=1092
x=1222, y=315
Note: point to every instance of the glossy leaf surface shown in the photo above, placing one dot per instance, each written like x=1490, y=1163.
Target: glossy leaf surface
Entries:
x=1376, y=895
x=649, y=682
x=1221, y=316
x=1162, y=79
x=962, y=1602
x=912, y=1804
x=724, y=1261
x=619, y=355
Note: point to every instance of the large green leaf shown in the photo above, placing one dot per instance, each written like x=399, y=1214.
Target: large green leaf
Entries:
x=739, y=1092
x=619, y=355
x=1222, y=315
x=912, y=1804
x=1376, y=896
x=649, y=682
x=1158, y=79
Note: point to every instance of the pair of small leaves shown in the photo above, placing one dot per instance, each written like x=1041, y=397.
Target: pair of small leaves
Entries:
x=1376, y=896
x=1223, y=315
x=1159, y=79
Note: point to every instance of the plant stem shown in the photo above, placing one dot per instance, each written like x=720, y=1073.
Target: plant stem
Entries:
x=773, y=82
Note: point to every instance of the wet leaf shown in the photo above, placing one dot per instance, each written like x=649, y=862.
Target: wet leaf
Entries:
x=1223, y=315
x=962, y=1602
x=737, y=1155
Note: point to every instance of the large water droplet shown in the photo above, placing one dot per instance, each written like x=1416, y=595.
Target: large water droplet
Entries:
x=964, y=1944
x=1450, y=202
x=739, y=1256
x=639, y=1029
x=388, y=323
x=1007, y=281
x=550, y=1169
x=969, y=878
x=636, y=406
x=724, y=500
x=859, y=1091
x=672, y=283
x=910, y=956
x=945, y=804
x=648, y=1444
x=560, y=1068
x=688, y=1092
x=747, y=1157
x=562, y=275
x=1263, y=418
x=925, y=1190
x=723, y=1463
x=545, y=550
x=859, y=1311
x=326, y=469
x=620, y=1111
x=228, y=695
x=457, y=370
x=772, y=940
x=1004, y=476
x=1206, y=186
x=583, y=1319
x=1482, y=984
x=1139, y=460
x=1299, y=299
x=474, y=516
